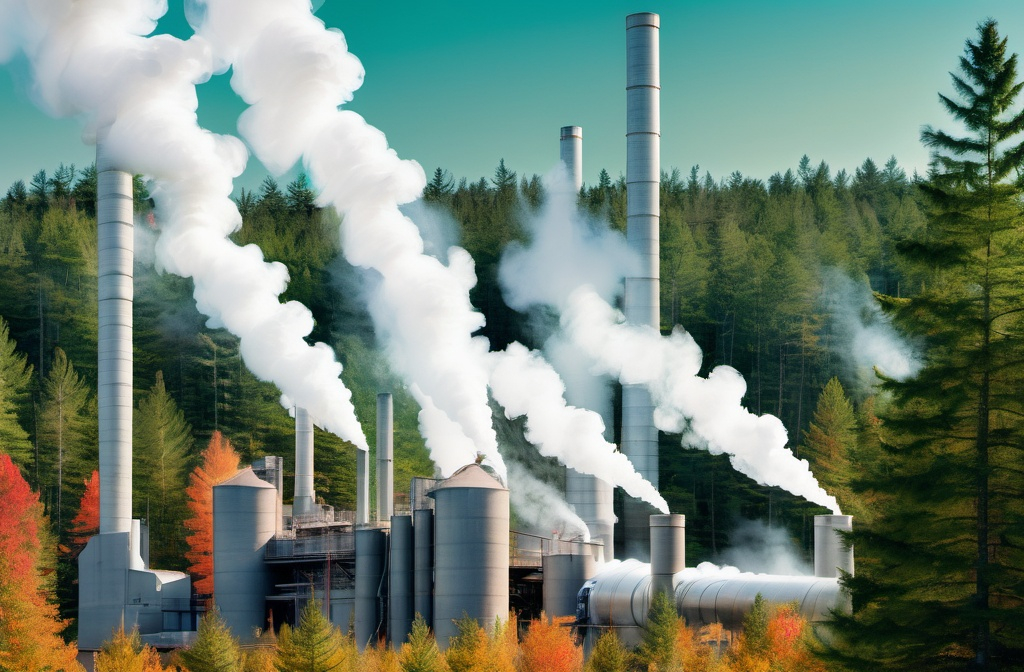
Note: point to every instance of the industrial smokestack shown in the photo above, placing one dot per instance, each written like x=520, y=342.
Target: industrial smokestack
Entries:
x=571, y=152
x=641, y=303
x=385, y=458
x=831, y=554
x=305, y=498
x=668, y=549
x=362, y=487
x=114, y=394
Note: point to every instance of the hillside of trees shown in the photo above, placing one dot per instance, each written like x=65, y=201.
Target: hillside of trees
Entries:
x=773, y=278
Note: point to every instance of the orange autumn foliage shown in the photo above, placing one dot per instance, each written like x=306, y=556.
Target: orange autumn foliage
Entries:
x=87, y=522
x=220, y=462
x=29, y=626
x=549, y=646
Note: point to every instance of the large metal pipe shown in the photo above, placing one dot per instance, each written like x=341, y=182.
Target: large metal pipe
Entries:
x=571, y=153
x=305, y=498
x=371, y=555
x=385, y=457
x=831, y=554
x=244, y=520
x=668, y=549
x=116, y=246
x=471, y=549
x=400, y=581
x=362, y=487
x=423, y=559
x=641, y=301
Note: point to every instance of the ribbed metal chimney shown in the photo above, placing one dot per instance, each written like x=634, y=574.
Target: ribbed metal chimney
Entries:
x=362, y=487
x=571, y=153
x=668, y=549
x=305, y=497
x=643, y=174
x=831, y=554
x=385, y=458
x=116, y=252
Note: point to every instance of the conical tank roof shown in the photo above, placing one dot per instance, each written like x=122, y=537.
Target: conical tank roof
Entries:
x=470, y=476
x=246, y=479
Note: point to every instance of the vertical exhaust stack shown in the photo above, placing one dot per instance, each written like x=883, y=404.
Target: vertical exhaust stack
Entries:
x=642, y=306
x=362, y=487
x=385, y=458
x=668, y=550
x=305, y=497
x=571, y=153
x=115, y=229
x=831, y=554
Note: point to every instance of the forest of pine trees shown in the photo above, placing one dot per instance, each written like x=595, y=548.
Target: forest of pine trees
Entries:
x=773, y=278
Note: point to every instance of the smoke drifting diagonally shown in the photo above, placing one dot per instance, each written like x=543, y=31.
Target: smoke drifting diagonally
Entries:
x=294, y=74
x=138, y=97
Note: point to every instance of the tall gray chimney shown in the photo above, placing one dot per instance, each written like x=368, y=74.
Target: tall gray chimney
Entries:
x=385, y=458
x=115, y=229
x=571, y=153
x=643, y=175
x=831, y=554
x=305, y=498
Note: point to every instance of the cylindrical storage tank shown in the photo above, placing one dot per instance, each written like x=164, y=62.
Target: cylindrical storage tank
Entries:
x=362, y=487
x=305, y=498
x=244, y=512
x=423, y=559
x=831, y=554
x=564, y=575
x=471, y=547
x=641, y=303
x=668, y=549
x=385, y=458
x=115, y=250
x=571, y=153
x=400, y=580
x=370, y=591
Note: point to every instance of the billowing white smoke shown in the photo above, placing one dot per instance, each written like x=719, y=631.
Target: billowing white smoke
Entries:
x=294, y=74
x=755, y=547
x=564, y=256
x=526, y=385
x=542, y=506
x=865, y=337
x=138, y=97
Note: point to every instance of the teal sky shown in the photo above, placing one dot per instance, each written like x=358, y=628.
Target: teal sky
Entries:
x=746, y=85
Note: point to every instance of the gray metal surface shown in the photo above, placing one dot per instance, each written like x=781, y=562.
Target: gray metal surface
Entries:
x=116, y=247
x=371, y=557
x=244, y=512
x=830, y=551
x=571, y=152
x=385, y=458
x=564, y=573
x=471, y=551
x=593, y=501
x=400, y=581
x=423, y=563
x=362, y=487
x=668, y=549
x=305, y=497
x=641, y=300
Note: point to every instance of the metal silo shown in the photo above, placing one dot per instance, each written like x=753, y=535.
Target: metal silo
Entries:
x=400, y=580
x=244, y=512
x=423, y=559
x=831, y=554
x=370, y=591
x=471, y=547
x=565, y=571
x=641, y=301
x=571, y=153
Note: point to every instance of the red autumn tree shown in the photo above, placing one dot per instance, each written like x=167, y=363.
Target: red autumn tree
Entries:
x=220, y=462
x=29, y=626
x=87, y=522
x=549, y=646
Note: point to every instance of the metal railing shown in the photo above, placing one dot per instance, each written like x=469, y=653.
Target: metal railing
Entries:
x=306, y=547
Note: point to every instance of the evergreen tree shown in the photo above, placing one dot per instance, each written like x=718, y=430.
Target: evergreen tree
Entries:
x=162, y=444
x=15, y=375
x=440, y=187
x=215, y=649
x=301, y=199
x=830, y=442
x=314, y=646
x=125, y=652
x=940, y=570
x=609, y=655
x=657, y=648
x=420, y=653
x=220, y=462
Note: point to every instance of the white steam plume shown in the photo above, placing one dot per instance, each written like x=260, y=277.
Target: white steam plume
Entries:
x=542, y=506
x=865, y=336
x=705, y=409
x=755, y=547
x=138, y=96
